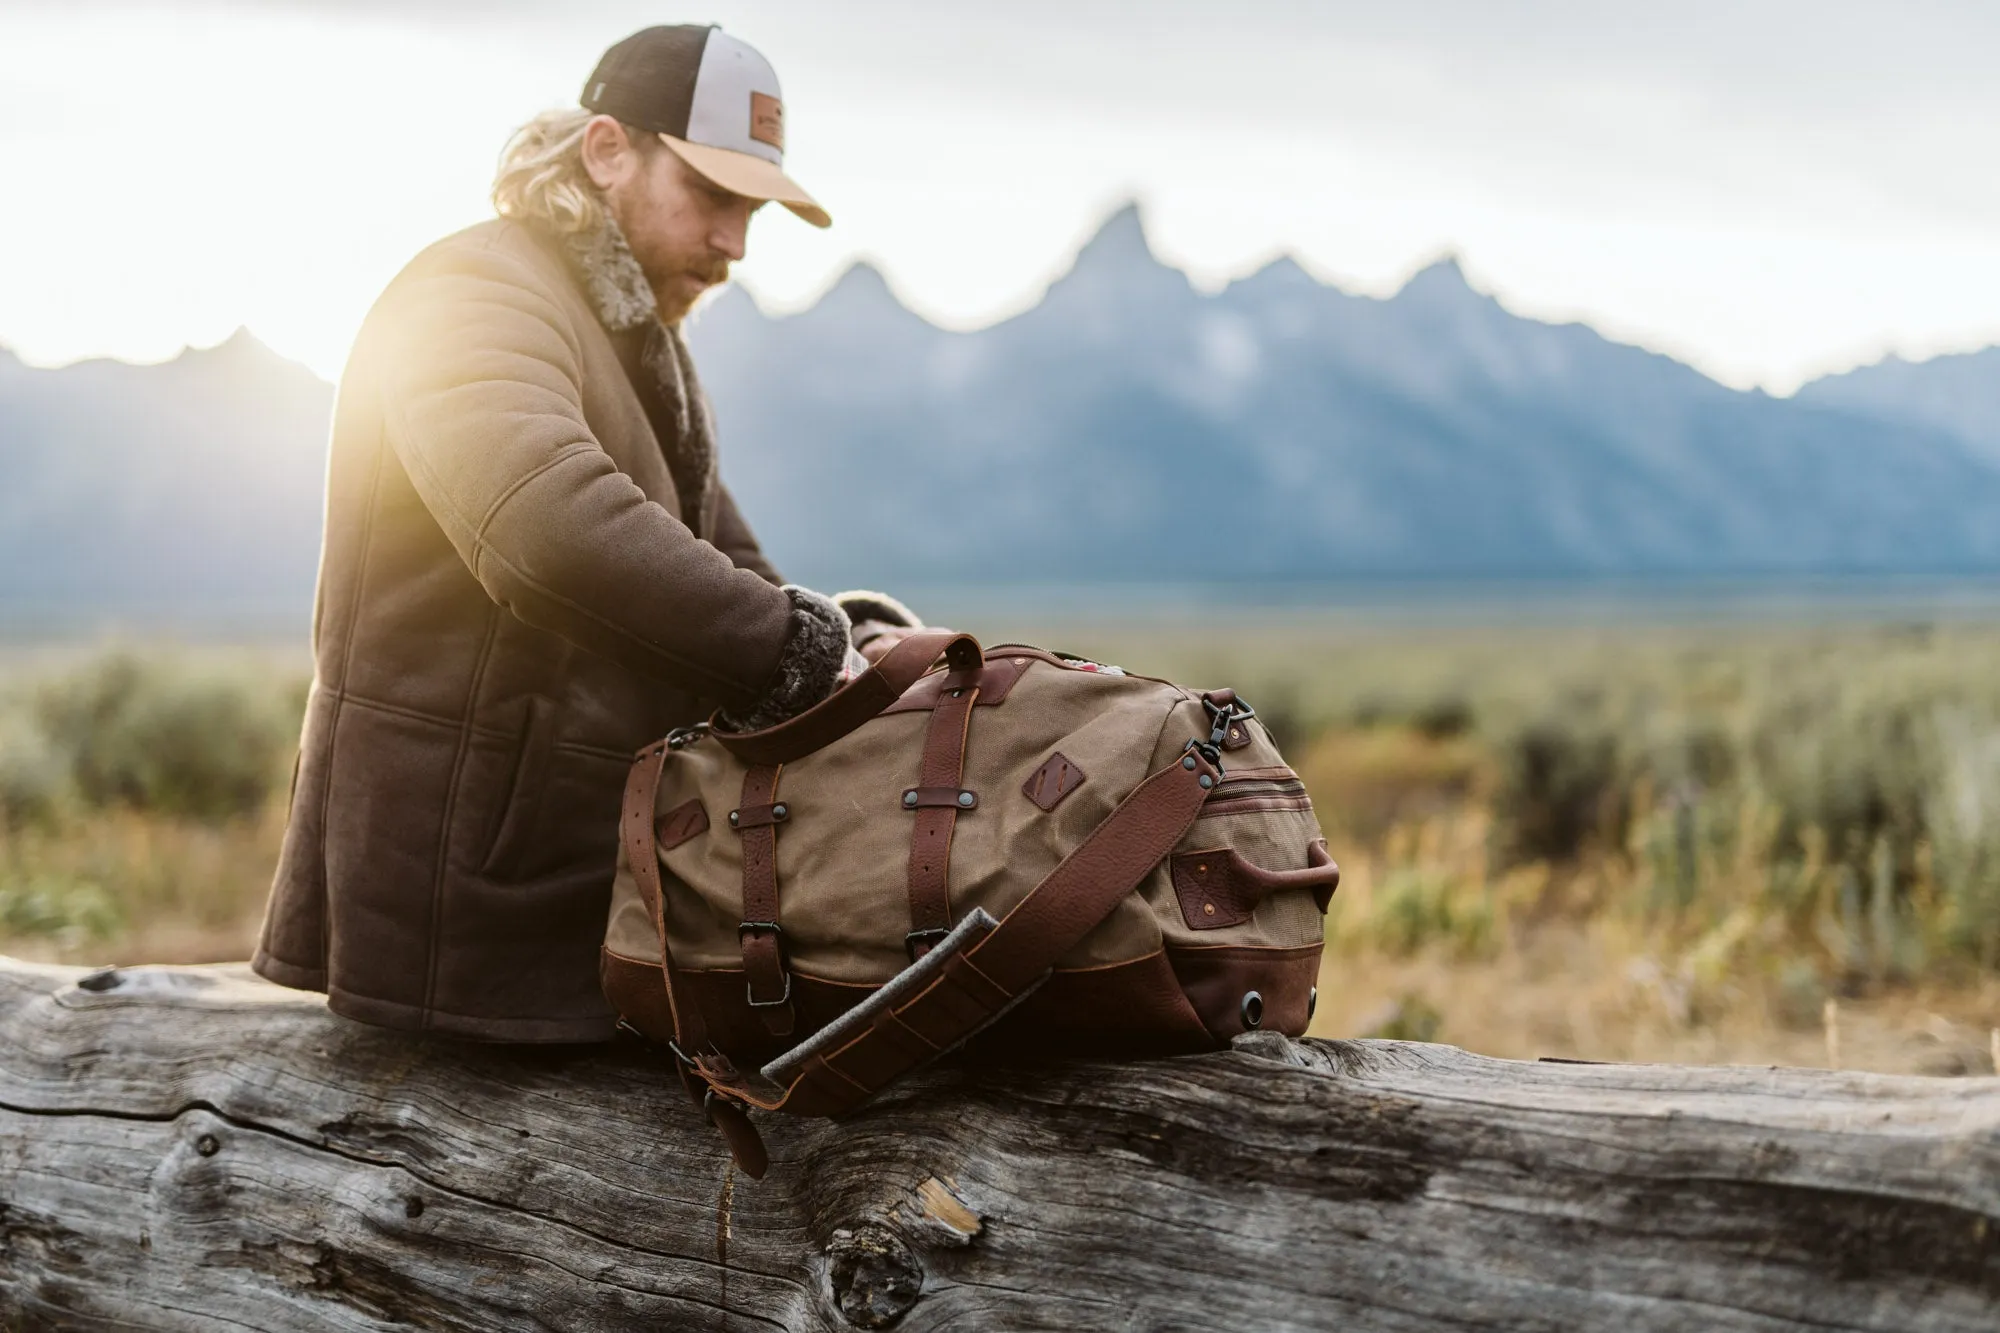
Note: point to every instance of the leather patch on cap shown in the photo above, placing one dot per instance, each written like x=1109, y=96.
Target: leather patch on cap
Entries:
x=684, y=821
x=767, y=120
x=1054, y=780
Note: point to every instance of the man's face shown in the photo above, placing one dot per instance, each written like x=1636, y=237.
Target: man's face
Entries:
x=684, y=231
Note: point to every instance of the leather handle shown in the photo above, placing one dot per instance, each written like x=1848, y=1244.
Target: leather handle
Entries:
x=858, y=702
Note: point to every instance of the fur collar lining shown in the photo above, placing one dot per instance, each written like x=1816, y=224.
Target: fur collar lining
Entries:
x=618, y=292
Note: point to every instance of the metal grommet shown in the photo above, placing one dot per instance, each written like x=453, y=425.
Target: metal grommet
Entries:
x=909, y=800
x=966, y=799
x=1312, y=1002
x=1187, y=762
x=1252, y=1009
x=1206, y=782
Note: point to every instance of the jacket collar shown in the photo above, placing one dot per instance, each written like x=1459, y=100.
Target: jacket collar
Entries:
x=612, y=281
x=611, y=277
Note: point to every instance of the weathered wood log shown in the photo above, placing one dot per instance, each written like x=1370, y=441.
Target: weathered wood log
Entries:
x=187, y=1148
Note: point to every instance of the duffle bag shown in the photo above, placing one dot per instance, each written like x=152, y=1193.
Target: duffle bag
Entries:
x=1016, y=846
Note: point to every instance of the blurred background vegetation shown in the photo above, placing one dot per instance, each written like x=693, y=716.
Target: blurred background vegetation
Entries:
x=1761, y=843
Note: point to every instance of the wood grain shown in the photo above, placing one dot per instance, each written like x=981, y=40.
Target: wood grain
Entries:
x=188, y=1148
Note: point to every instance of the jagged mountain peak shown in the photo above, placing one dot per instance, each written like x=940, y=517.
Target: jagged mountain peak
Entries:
x=1441, y=280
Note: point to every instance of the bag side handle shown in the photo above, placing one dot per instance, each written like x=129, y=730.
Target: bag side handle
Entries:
x=862, y=699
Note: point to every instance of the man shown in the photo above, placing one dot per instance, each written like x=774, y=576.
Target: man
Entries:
x=530, y=567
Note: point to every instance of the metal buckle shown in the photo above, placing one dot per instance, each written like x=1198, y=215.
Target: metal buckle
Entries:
x=682, y=737
x=749, y=991
x=750, y=994
x=1226, y=716
x=911, y=940
x=1209, y=750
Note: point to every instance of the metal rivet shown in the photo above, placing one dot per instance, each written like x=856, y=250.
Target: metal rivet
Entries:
x=909, y=800
x=1020, y=661
x=733, y=817
x=1206, y=782
x=966, y=798
x=779, y=812
x=957, y=693
x=1252, y=1009
x=1201, y=869
x=1312, y=1002
x=1235, y=734
x=1187, y=762
x=1208, y=909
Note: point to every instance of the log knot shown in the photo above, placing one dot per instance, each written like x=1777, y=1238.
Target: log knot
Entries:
x=874, y=1277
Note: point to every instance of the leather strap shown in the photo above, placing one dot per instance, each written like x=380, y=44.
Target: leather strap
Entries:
x=768, y=984
x=853, y=705
x=642, y=787
x=973, y=989
x=979, y=985
x=930, y=840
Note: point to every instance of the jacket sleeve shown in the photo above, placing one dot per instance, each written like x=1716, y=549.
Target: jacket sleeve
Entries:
x=733, y=536
x=482, y=403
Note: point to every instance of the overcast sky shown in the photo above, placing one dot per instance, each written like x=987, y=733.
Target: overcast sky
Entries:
x=1767, y=188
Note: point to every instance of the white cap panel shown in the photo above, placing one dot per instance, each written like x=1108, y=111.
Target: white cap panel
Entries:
x=737, y=104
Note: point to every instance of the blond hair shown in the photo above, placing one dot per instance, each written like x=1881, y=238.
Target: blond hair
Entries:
x=542, y=178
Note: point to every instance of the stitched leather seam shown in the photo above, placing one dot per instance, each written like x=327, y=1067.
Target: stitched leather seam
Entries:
x=562, y=456
x=451, y=804
x=622, y=758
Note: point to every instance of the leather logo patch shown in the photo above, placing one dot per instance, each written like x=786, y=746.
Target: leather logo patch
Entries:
x=767, y=120
x=684, y=821
x=1054, y=780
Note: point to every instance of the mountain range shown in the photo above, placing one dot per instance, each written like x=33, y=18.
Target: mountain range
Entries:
x=1128, y=428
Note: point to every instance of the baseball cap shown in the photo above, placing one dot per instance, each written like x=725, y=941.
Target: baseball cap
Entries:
x=713, y=100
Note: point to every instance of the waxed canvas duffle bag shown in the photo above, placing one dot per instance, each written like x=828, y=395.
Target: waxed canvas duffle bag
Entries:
x=1014, y=848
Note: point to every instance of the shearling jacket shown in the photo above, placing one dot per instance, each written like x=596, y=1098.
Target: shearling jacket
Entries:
x=529, y=571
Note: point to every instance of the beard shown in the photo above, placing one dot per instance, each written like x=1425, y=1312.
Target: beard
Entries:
x=677, y=288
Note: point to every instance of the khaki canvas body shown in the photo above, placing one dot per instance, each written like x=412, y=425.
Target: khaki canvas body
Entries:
x=1223, y=934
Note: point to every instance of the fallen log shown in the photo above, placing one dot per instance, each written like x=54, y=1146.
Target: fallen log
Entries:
x=189, y=1148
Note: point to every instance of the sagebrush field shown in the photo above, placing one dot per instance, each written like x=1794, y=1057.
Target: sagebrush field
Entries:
x=1769, y=844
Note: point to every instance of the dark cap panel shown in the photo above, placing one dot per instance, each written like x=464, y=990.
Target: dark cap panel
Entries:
x=648, y=79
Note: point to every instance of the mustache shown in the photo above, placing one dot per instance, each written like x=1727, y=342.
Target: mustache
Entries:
x=714, y=272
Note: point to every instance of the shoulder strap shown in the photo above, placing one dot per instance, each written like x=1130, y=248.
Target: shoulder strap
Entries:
x=905, y=1025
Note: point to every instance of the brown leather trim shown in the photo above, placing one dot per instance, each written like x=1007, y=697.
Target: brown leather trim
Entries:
x=683, y=823
x=1131, y=1008
x=637, y=992
x=996, y=680
x=978, y=984
x=937, y=806
x=1217, y=978
x=940, y=798
x=1050, y=784
x=759, y=816
x=1220, y=888
x=850, y=707
x=763, y=948
x=1135, y=1007
x=642, y=857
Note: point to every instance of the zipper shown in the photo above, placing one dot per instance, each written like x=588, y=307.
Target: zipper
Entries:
x=1257, y=789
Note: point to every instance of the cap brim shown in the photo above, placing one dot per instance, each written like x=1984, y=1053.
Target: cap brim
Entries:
x=751, y=177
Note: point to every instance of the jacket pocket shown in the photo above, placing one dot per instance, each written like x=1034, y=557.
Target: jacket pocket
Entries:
x=512, y=837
